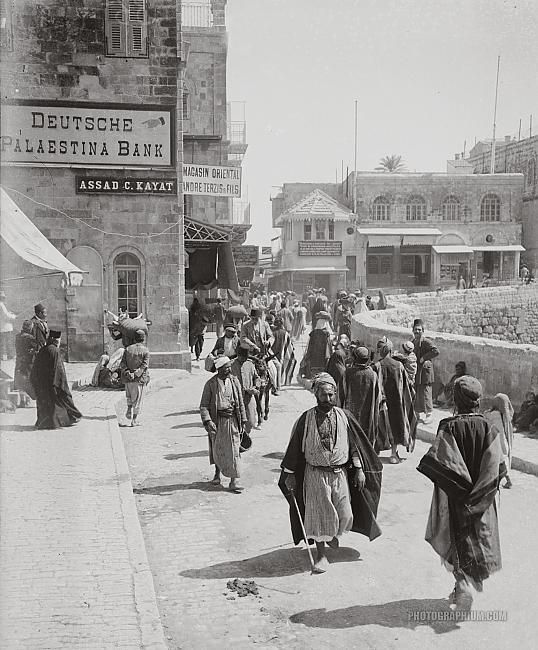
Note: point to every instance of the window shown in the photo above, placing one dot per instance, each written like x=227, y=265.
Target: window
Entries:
x=531, y=173
x=379, y=265
x=451, y=209
x=490, y=208
x=289, y=227
x=186, y=103
x=127, y=274
x=408, y=264
x=320, y=229
x=6, y=31
x=373, y=265
x=187, y=205
x=416, y=209
x=126, y=28
x=381, y=209
x=331, y=229
x=308, y=231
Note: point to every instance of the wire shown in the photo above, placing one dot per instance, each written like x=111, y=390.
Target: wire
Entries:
x=104, y=232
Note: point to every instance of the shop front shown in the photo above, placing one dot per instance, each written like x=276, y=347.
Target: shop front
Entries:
x=498, y=263
x=451, y=261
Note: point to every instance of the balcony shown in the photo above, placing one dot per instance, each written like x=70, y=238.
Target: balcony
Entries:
x=237, y=129
x=241, y=213
x=196, y=15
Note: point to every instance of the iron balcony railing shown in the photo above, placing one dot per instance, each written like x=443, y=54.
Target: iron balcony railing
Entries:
x=241, y=213
x=237, y=132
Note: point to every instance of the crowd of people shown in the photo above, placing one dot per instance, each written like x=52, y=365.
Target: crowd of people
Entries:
x=367, y=401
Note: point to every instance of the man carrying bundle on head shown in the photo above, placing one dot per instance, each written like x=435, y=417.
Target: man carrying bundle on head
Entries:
x=330, y=474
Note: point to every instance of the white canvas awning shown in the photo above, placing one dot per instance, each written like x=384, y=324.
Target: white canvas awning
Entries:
x=20, y=234
x=452, y=249
x=500, y=248
x=318, y=269
x=378, y=237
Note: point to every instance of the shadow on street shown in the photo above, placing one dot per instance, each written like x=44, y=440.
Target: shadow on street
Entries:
x=192, y=454
x=397, y=613
x=283, y=562
x=161, y=490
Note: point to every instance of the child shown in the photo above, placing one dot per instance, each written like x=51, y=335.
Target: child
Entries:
x=134, y=371
x=409, y=360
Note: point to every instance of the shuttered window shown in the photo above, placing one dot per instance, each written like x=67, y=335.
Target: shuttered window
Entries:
x=126, y=28
x=6, y=34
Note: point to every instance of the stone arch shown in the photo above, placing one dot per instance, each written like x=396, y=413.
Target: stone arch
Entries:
x=490, y=207
x=381, y=208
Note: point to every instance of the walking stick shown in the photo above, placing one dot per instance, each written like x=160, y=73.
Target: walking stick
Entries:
x=303, y=529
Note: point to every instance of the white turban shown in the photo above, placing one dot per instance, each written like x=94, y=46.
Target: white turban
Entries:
x=322, y=379
x=221, y=361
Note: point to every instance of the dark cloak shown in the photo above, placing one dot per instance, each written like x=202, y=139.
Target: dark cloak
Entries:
x=364, y=503
x=336, y=366
x=361, y=393
x=317, y=353
x=55, y=407
x=465, y=463
x=402, y=418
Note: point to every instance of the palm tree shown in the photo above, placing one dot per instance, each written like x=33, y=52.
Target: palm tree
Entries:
x=391, y=164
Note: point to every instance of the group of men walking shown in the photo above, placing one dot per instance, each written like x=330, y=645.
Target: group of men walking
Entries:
x=367, y=401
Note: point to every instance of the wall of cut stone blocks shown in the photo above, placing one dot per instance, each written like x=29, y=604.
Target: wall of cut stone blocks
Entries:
x=501, y=367
x=59, y=55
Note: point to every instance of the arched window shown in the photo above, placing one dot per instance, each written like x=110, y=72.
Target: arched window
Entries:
x=451, y=209
x=490, y=208
x=416, y=209
x=381, y=209
x=128, y=285
x=531, y=173
x=186, y=102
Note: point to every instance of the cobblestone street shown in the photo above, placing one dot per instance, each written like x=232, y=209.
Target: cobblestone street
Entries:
x=198, y=537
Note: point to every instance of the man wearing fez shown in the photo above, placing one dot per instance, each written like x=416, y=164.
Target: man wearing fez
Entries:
x=333, y=472
x=425, y=351
x=55, y=407
x=40, y=326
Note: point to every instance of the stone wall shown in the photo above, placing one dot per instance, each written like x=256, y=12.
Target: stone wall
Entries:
x=501, y=367
x=504, y=313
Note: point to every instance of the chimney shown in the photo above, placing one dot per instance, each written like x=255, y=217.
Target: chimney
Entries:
x=507, y=138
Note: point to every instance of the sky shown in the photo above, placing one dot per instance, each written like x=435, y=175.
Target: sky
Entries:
x=422, y=71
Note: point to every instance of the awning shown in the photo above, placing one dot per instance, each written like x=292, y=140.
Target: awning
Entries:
x=502, y=247
x=452, y=249
x=378, y=237
x=20, y=234
x=319, y=269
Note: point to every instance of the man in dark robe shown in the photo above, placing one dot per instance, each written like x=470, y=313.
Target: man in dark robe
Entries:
x=318, y=350
x=425, y=351
x=465, y=464
x=336, y=366
x=26, y=349
x=361, y=393
x=399, y=400
x=40, y=326
x=331, y=471
x=55, y=407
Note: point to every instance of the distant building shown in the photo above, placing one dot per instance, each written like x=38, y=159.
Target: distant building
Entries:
x=513, y=155
x=410, y=230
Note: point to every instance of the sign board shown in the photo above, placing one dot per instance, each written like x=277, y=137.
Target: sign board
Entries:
x=323, y=248
x=211, y=180
x=108, y=185
x=266, y=250
x=84, y=134
x=246, y=256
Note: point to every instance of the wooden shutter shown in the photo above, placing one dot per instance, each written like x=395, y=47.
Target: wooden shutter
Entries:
x=6, y=37
x=115, y=24
x=137, y=31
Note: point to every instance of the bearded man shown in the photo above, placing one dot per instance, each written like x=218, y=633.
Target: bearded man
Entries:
x=333, y=472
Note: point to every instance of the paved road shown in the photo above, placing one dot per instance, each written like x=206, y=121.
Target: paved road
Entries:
x=198, y=537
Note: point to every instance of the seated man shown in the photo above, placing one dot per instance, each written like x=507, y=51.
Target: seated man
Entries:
x=528, y=413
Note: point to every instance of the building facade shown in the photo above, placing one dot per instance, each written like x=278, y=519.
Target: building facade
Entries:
x=410, y=230
x=215, y=138
x=92, y=154
x=515, y=155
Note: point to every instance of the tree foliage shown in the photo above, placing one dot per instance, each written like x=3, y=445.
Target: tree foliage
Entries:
x=391, y=164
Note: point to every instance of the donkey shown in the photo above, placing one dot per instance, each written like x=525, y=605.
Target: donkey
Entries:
x=266, y=385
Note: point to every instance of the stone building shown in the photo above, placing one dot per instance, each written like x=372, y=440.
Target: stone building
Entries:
x=212, y=138
x=410, y=230
x=515, y=155
x=92, y=154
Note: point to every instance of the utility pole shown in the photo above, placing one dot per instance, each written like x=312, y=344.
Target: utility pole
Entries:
x=355, y=165
x=492, y=162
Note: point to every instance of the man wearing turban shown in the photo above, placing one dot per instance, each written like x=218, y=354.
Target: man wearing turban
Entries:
x=222, y=410
x=465, y=464
x=332, y=471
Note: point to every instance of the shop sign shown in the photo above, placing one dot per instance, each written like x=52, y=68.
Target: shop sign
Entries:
x=106, y=185
x=323, y=248
x=246, y=256
x=70, y=133
x=211, y=180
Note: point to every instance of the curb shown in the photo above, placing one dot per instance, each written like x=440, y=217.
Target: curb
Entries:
x=150, y=624
x=519, y=464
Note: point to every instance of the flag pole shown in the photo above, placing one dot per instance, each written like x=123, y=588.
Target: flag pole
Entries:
x=355, y=166
x=492, y=162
